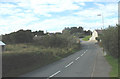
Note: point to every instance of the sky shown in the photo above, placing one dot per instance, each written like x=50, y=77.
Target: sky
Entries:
x=55, y=15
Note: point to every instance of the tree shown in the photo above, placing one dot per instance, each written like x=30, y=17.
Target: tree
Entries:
x=21, y=36
x=87, y=32
x=73, y=30
x=80, y=29
x=39, y=33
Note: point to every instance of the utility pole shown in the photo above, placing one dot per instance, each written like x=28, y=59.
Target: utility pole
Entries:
x=119, y=13
x=102, y=19
x=104, y=53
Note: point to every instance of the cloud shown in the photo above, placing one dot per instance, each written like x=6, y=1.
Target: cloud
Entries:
x=58, y=24
x=43, y=7
x=82, y=3
x=57, y=0
x=106, y=10
x=38, y=15
x=17, y=21
x=6, y=8
x=40, y=7
x=88, y=13
x=110, y=7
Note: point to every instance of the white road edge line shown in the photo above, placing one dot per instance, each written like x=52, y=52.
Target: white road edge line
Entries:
x=93, y=71
x=69, y=64
x=77, y=58
x=54, y=74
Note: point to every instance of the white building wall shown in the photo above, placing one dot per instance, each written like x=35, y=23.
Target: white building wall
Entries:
x=94, y=35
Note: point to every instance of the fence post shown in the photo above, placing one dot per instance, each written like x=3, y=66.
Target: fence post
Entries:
x=104, y=52
x=0, y=59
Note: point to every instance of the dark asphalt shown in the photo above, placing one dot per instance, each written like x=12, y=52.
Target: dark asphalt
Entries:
x=88, y=62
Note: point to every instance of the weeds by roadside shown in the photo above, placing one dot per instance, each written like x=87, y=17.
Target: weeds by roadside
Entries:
x=114, y=63
x=21, y=58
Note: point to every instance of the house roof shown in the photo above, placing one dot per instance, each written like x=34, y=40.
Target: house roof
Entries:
x=1, y=43
x=99, y=31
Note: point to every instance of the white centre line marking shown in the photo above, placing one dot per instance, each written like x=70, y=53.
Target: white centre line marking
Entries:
x=77, y=58
x=85, y=51
x=82, y=55
x=54, y=74
x=69, y=64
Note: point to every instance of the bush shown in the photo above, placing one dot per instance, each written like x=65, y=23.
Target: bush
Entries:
x=51, y=41
x=17, y=63
x=21, y=58
x=98, y=39
x=21, y=36
x=55, y=40
x=110, y=41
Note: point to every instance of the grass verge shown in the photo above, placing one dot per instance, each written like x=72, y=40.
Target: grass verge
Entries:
x=114, y=63
x=86, y=38
x=19, y=59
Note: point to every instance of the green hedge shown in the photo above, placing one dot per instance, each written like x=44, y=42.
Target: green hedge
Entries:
x=110, y=42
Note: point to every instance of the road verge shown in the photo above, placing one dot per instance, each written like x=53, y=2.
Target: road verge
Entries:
x=114, y=63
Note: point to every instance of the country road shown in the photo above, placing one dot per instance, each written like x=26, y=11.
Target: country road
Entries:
x=88, y=62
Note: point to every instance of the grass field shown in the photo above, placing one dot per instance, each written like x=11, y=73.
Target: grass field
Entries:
x=114, y=63
x=22, y=58
x=86, y=38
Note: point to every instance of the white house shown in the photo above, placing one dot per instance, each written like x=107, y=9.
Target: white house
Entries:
x=95, y=34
